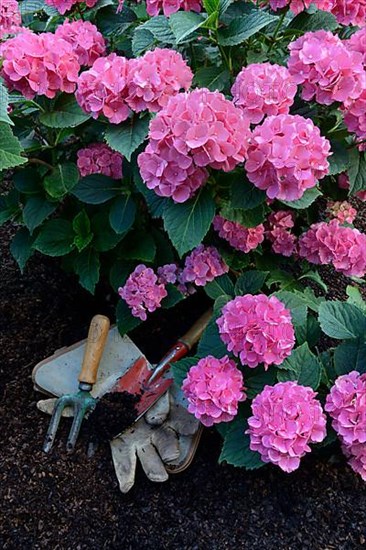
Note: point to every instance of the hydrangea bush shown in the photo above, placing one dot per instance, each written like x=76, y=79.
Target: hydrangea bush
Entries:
x=174, y=147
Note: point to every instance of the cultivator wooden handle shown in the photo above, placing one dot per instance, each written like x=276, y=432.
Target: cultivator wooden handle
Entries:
x=97, y=336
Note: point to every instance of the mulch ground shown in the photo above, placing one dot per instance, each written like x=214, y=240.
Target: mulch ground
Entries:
x=72, y=502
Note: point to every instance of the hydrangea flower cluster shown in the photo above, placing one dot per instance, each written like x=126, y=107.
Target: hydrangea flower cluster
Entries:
x=297, y=6
x=326, y=68
x=238, y=236
x=257, y=329
x=155, y=77
x=168, y=273
x=103, y=89
x=202, y=266
x=349, y=12
x=286, y=418
x=286, y=156
x=98, y=158
x=330, y=243
x=142, y=292
x=168, y=7
x=354, y=111
x=262, y=89
x=214, y=388
x=62, y=6
x=10, y=18
x=85, y=39
x=41, y=64
x=195, y=130
x=343, y=183
x=346, y=404
x=357, y=43
x=342, y=211
x=283, y=241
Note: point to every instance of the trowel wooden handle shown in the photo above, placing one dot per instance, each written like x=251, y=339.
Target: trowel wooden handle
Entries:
x=97, y=337
x=195, y=332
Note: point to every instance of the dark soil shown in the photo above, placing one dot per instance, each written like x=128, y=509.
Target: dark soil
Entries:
x=62, y=502
x=113, y=414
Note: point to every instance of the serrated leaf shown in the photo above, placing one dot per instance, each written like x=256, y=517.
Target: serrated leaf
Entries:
x=308, y=297
x=104, y=237
x=122, y=213
x=87, y=267
x=316, y=278
x=310, y=332
x=10, y=149
x=81, y=226
x=21, y=247
x=248, y=218
x=66, y=113
x=339, y=160
x=4, y=104
x=179, y=369
x=184, y=23
x=250, y=282
x=56, y=238
x=128, y=136
x=242, y=28
x=255, y=384
x=320, y=20
x=350, y=356
x=96, y=189
x=173, y=298
x=341, y=320
x=213, y=78
x=219, y=286
x=142, y=41
x=357, y=171
x=139, y=245
x=355, y=298
x=306, y=200
x=125, y=320
x=159, y=28
x=245, y=195
x=303, y=366
x=36, y=210
x=210, y=342
x=61, y=180
x=236, y=448
x=295, y=304
x=9, y=206
x=187, y=223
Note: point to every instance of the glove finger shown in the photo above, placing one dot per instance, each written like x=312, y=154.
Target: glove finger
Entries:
x=152, y=463
x=182, y=421
x=166, y=441
x=156, y=415
x=124, y=460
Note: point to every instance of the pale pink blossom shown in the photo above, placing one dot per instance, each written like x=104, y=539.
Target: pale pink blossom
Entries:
x=287, y=417
x=357, y=43
x=202, y=266
x=354, y=111
x=287, y=155
x=98, y=158
x=262, y=89
x=242, y=238
x=342, y=211
x=85, y=39
x=214, y=388
x=356, y=455
x=257, y=329
x=10, y=18
x=155, y=77
x=168, y=7
x=350, y=12
x=142, y=292
x=65, y=5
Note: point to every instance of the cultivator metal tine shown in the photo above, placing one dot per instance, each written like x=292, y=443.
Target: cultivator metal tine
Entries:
x=61, y=403
x=75, y=428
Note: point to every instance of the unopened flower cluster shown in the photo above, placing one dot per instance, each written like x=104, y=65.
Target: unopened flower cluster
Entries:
x=239, y=237
x=98, y=158
x=286, y=418
x=10, y=18
x=330, y=243
x=278, y=232
x=214, y=388
x=257, y=329
x=346, y=404
x=196, y=130
x=342, y=211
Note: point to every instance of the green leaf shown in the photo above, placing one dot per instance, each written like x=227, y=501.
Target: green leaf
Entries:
x=115, y=24
x=104, y=237
x=242, y=28
x=245, y=195
x=173, y=298
x=295, y=304
x=213, y=78
x=87, y=267
x=27, y=181
x=357, y=171
x=219, y=286
x=309, y=332
x=21, y=247
x=342, y=320
x=9, y=206
x=125, y=320
x=350, y=356
x=128, y=136
x=179, y=369
x=303, y=366
x=119, y=273
x=210, y=342
x=36, y=210
x=184, y=23
x=339, y=160
x=56, y=238
x=66, y=114
x=236, y=449
x=306, y=200
x=320, y=20
x=81, y=226
x=355, y=297
x=211, y=6
x=187, y=223
x=250, y=282
x=247, y=218
x=159, y=28
x=139, y=245
x=63, y=178
x=224, y=5
x=10, y=149
x=142, y=41
x=29, y=7
x=4, y=104
x=96, y=189
x=314, y=276
x=255, y=384
x=308, y=297
x=122, y=213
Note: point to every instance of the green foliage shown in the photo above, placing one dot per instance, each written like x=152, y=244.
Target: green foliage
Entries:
x=303, y=366
x=350, y=356
x=179, y=369
x=341, y=320
x=127, y=136
x=236, y=450
x=357, y=171
x=65, y=114
x=96, y=189
x=10, y=149
x=250, y=282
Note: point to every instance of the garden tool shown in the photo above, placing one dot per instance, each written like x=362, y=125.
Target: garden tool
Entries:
x=82, y=402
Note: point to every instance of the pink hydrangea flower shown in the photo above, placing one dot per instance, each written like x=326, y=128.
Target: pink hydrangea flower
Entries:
x=350, y=12
x=286, y=156
x=10, y=18
x=168, y=273
x=154, y=7
x=39, y=64
x=283, y=242
x=85, y=39
x=238, y=236
x=195, y=130
x=286, y=418
x=283, y=219
x=214, y=388
x=155, y=77
x=103, y=89
x=142, y=291
x=62, y=6
x=326, y=68
x=257, y=329
x=346, y=404
x=202, y=266
x=354, y=111
x=297, y=6
x=356, y=454
x=357, y=43
x=263, y=89
x=98, y=158
x=342, y=211
x=330, y=243
x=343, y=183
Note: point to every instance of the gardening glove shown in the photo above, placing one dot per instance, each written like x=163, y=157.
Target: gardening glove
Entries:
x=161, y=439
